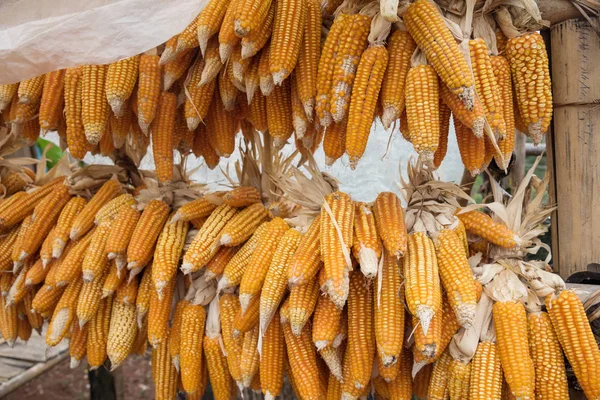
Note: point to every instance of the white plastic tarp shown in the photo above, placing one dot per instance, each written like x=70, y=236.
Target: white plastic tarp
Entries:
x=39, y=36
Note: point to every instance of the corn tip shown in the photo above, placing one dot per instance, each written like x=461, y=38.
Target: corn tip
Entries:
x=74, y=363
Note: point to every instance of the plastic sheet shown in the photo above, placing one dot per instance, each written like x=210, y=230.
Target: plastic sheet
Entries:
x=39, y=36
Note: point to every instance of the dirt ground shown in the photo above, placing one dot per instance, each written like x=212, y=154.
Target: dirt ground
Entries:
x=61, y=382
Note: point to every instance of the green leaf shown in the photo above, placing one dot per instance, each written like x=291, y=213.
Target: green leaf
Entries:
x=54, y=153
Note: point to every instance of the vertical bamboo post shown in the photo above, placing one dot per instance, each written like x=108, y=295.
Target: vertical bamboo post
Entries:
x=575, y=146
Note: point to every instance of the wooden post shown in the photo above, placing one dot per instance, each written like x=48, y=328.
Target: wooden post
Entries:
x=575, y=146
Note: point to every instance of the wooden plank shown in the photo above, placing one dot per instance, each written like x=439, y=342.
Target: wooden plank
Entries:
x=576, y=84
x=30, y=374
x=9, y=371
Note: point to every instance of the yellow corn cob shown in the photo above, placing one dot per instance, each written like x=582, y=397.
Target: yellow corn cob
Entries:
x=442, y=149
x=299, y=119
x=110, y=210
x=334, y=388
x=76, y=140
x=482, y=225
x=209, y=20
x=64, y=313
x=473, y=119
x=85, y=219
x=242, y=225
x=192, y=328
x=238, y=69
x=425, y=25
x=77, y=344
x=401, y=47
x=15, y=181
x=7, y=243
x=249, y=362
x=422, y=110
x=334, y=253
x=198, y=208
x=420, y=385
x=334, y=142
x=164, y=373
x=459, y=378
x=438, y=386
x=326, y=322
x=168, y=252
x=158, y=314
x=52, y=100
x=7, y=92
x=361, y=333
x=202, y=147
x=23, y=326
x=258, y=38
x=94, y=107
x=148, y=93
x=502, y=72
x=30, y=90
x=365, y=92
x=121, y=334
x=251, y=83
x=127, y=291
x=221, y=128
x=37, y=273
x=212, y=63
x=308, y=58
x=249, y=16
x=528, y=61
x=227, y=34
x=35, y=319
x=389, y=220
x=303, y=363
x=216, y=265
x=302, y=302
x=486, y=373
x=113, y=280
x=389, y=311
x=272, y=360
x=90, y=298
x=95, y=262
x=140, y=344
x=279, y=114
x=288, y=31
x=120, y=126
x=120, y=81
x=333, y=359
x=175, y=333
x=228, y=306
x=472, y=148
x=275, y=284
x=175, y=69
x=205, y=244
x=44, y=217
x=145, y=235
x=19, y=288
x=10, y=322
x=198, y=102
x=25, y=112
x=510, y=322
x=236, y=267
x=72, y=260
x=258, y=265
x=325, y=71
x=264, y=75
x=98, y=334
x=64, y=224
x=576, y=338
x=163, y=129
x=422, y=283
x=227, y=90
x=216, y=363
x=246, y=320
x=120, y=235
x=18, y=245
x=456, y=276
x=548, y=360
x=487, y=87
x=188, y=38
x=142, y=301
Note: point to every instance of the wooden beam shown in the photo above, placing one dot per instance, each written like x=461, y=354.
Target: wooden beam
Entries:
x=557, y=11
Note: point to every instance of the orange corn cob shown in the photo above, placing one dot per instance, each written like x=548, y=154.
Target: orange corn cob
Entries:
x=120, y=235
x=175, y=333
x=227, y=37
x=7, y=93
x=216, y=363
x=249, y=362
x=175, y=69
x=85, y=219
x=198, y=102
x=113, y=280
x=145, y=290
x=64, y=313
x=209, y=20
x=168, y=252
x=95, y=262
x=77, y=344
x=163, y=129
x=288, y=31
x=127, y=291
x=216, y=265
x=308, y=58
x=164, y=373
x=486, y=373
x=272, y=360
x=472, y=149
x=158, y=314
x=148, y=93
x=389, y=220
x=473, y=119
x=246, y=320
x=64, y=224
x=442, y=149
x=502, y=73
x=198, y=208
x=239, y=228
x=228, y=306
x=52, y=100
x=367, y=245
x=279, y=114
x=30, y=90
x=482, y=225
x=145, y=235
x=121, y=78
x=302, y=302
x=326, y=322
x=192, y=324
x=98, y=334
x=94, y=107
x=459, y=380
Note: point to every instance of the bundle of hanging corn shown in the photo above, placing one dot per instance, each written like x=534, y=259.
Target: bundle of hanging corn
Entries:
x=323, y=72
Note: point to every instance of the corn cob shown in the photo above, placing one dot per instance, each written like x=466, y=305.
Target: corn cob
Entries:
x=95, y=262
x=482, y=225
x=205, y=244
x=242, y=225
x=94, y=107
x=64, y=313
x=30, y=90
x=52, y=100
x=37, y=273
x=264, y=75
x=288, y=31
x=249, y=16
x=192, y=323
x=120, y=126
x=121, y=334
x=425, y=25
x=227, y=35
x=388, y=312
x=209, y=20
x=216, y=363
x=19, y=289
x=175, y=333
x=15, y=181
x=90, y=298
x=7, y=93
x=272, y=360
x=85, y=219
x=72, y=259
x=142, y=301
x=212, y=63
x=389, y=220
x=10, y=322
x=421, y=380
x=246, y=320
x=113, y=280
x=199, y=99
x=127, y=291
x=6, y=246
x=438, y=386
x=422, y=284
x=576, y=338
x=77, y=344
x=16, y=250
x=472, y=148
x=275, y=281
x=302, y=357
x=35, y=319
x=216, y=265
x=168, y=252
x=456, y=276
x=198, y=208
x=459, y=379
x=422, y=110
x=76, y=140
x=511, y=329
x=302, y=302
x=120, y=81
x=228, y=306
x=25, y=112
x=163, y=129
x=98, y=334
x=249, y=362
x=202, y=147
x=120, y=235
x=502, y=72
x=486, y=373
x=64, y=224
x=175, y=69
x=326, y=322
x=158, y=314
x=46, y=299
x=258, y=265
x=148, y=93
x=528, y=61
x=442, y=149
x=164, y=374
x=400, y=46
x=109, y=211
x=236, y=267
x=279, y=114
x=145, y=235
x=258, y=38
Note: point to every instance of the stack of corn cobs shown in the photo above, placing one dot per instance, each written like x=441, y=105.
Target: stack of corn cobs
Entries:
x=242, y=287
x=320, y=72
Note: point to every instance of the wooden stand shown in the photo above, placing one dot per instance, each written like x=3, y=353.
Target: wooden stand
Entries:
x=575, y=144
